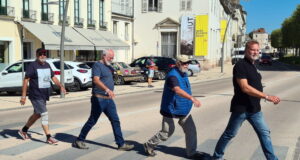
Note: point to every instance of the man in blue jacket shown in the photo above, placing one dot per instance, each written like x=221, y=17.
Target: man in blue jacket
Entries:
x=177, y=101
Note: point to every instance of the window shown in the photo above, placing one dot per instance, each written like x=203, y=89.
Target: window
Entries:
x=126, y=31
x=101, y=13
x=185, y=5
x=76, y=12
x=115, y=28
x=44, y=10
x=25, y=8
x=62, y=4
x=151, y=5
x=90, y=12
x=15, y=68
x=3, y=7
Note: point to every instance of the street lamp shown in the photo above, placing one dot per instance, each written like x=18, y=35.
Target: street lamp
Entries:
x=62, y=38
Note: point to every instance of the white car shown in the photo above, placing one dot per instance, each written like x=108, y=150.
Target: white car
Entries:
x=11, y=76
x=82, y=75
x=194, y=68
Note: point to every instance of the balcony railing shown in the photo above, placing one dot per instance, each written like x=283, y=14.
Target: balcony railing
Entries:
x=61, y=20
x=122, y=9
x=48, y=17
x=7, y=11
x=91, y=24
x=78, y=22
x=103, y=25
x=28, y=15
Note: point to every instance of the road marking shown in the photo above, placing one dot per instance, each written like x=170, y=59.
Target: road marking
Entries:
x=138, y=153
x=280, y=152
x=7, y=132
x=74, y=153
x=30, y=145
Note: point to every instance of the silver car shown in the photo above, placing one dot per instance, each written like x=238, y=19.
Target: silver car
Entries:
x=194, y=68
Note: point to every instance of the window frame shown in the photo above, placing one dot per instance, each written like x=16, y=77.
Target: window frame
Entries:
x=44, y=12
x=26, y=9
x=77, y=12
x=101, y=13
x=89, y=12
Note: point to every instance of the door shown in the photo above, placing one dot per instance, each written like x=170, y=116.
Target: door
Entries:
x=168, y=44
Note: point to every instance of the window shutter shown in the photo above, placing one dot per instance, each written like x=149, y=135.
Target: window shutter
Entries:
x=159, y=6
x=189, y=5
x=144, y=6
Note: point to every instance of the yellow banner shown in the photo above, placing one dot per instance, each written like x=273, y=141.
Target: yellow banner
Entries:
x=223, y=28
x=201, y=35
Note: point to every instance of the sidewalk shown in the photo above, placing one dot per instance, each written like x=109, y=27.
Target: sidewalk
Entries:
x=12, y=102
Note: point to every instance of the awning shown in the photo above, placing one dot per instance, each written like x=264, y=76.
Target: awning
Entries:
x=50, y=36
x=103, y=39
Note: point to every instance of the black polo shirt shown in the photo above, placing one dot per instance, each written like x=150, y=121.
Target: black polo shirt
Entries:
x=242, y=102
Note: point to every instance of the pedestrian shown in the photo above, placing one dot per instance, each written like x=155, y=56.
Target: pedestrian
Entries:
x=102, y=101
x=177, y=101
x=39, y=75
x=151, y=67
x=245, y=104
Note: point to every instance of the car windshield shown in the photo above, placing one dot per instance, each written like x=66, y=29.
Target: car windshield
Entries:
x=124, y=65
x=266, y=57
x=57, y=65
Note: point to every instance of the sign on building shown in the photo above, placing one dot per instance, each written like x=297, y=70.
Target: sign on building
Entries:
x=187, y=35
x=201, y=35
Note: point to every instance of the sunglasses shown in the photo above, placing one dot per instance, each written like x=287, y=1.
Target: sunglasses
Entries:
x=42, y=54
x=185, y=63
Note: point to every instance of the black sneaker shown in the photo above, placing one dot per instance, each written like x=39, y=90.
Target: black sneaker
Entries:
x=149, y=151
x=79, y=144
x=125, y=147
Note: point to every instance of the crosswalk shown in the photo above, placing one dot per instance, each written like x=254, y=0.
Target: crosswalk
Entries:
x=100, y=143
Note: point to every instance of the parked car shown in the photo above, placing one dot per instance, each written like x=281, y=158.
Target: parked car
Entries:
x=164, y=64
x=237, y=55
x=82, y=75
x=265, y=59
x=194, y=67
x=11, y=76
x=90, y=63
x=125, y=73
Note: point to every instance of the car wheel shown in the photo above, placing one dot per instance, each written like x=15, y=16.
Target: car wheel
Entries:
x=76, y=86
x=190, y=73
x=145, y=78
x=162, y=75
x=119, y=80
x=11, y=92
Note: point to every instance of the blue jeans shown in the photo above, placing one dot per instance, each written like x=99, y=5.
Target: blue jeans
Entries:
x=107, y=106
x=258, y=123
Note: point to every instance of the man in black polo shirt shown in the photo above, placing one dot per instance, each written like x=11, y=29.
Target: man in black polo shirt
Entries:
x=245, y=104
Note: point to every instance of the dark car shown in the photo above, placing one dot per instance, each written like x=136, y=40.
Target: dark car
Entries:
x=164, y=64
x=265, y=59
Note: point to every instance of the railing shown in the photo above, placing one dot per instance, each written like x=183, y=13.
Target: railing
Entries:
x=61, y=19
x=122, y=9
x=29, y=14
x=91, y=24
x=102, y=25
x=79, y=23
x=49, y=17
x=7, y=11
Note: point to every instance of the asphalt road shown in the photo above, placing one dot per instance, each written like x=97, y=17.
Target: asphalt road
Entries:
x=140, y=119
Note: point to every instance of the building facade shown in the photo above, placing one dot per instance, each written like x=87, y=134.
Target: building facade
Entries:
x=27, y=25
x=159, y=29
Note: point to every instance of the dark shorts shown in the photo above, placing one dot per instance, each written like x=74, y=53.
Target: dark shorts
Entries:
x=39, y=105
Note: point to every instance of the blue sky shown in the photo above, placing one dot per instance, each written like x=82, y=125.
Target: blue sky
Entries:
x=268, y=14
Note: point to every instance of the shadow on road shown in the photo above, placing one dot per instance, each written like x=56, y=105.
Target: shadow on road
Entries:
x=68, y=138
x=8, y=133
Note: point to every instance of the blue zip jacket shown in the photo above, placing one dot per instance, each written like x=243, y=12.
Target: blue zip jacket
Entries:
x=172, y=103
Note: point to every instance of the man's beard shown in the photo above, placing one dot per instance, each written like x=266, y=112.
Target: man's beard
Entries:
x=184, y=70
x=42, y=60
x=107, y=63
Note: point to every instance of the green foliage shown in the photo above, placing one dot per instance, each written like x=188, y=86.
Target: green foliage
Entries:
x=291, y=30
x=290, y=60
x=276, y=38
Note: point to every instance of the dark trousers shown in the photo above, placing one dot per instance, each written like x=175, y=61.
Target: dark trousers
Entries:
x=108, y=107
